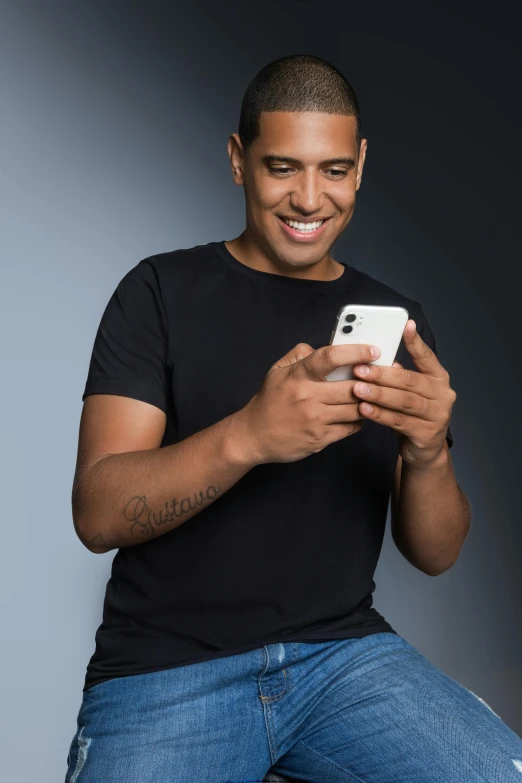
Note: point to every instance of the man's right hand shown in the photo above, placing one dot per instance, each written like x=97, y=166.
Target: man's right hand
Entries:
x=296, y=412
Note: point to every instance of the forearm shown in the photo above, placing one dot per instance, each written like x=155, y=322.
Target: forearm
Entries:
x=433, y=516
x=128, y=498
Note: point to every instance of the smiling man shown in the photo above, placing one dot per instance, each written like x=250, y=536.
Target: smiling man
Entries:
x=296, y=206
x=246, y=497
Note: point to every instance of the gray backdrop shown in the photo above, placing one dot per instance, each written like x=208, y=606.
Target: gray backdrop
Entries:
x=115, y=120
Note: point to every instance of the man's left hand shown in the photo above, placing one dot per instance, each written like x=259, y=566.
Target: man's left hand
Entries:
x=417, y=405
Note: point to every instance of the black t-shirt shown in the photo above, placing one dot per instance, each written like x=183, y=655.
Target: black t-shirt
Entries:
x=289, y=552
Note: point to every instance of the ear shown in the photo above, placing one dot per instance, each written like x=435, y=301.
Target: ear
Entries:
x=235, y=154
x=360, y=162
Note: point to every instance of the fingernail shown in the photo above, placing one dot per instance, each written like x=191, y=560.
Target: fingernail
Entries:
x=362, y=388
x=375, y=351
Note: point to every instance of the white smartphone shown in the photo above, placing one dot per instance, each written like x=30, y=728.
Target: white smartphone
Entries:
x=379, y=325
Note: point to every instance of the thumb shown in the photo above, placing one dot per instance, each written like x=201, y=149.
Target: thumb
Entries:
x=298, y=352
x=398, y=364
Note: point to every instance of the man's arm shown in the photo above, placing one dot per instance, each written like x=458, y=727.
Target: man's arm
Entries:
x=127, y=489
x=430, y=514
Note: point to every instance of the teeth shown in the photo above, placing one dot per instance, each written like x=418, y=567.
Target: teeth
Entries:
x=304, y=226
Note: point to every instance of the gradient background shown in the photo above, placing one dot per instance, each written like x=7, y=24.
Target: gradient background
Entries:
x=115, y=121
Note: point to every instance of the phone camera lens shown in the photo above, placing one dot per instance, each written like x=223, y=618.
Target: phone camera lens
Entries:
x=350, y=318
x=347, y=329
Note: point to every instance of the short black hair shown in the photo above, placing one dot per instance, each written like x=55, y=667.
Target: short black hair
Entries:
x=299, y=82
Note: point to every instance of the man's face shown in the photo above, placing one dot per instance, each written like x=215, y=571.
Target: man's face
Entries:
x=309, y=187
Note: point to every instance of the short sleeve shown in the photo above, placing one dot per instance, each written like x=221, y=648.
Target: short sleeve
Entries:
x=427, y=335
x=129, y=356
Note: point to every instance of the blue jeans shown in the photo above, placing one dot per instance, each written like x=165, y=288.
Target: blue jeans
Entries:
x=369, y=710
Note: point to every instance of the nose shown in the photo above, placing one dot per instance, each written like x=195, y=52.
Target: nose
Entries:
x=306, y=195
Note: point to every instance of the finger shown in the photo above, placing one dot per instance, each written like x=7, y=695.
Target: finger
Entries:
x=398, y=421
x=397, y=378
x=423, y=356
x=339, y=431
x=397, y=364
x=399, y=400
x=335, y=393
x=295, y=354
x=328, y=358
x=337, y=414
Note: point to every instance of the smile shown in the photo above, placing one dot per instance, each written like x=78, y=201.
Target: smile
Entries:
x=303, y=232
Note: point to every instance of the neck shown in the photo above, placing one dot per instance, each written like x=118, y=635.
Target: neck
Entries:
x=248, y=252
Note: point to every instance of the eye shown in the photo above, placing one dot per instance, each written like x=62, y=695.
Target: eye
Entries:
x=338, y=173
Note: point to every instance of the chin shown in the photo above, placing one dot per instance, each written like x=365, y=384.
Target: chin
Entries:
x=296, y=259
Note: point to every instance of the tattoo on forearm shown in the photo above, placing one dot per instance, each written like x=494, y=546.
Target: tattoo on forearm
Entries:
x=138, y=512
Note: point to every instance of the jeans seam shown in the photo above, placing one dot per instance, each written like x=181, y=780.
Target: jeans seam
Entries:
x=329, y=761
x=270, y=699
x=272, y=739
x=287, y=682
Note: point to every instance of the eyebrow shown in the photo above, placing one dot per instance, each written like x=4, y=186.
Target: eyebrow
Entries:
x=295, y=161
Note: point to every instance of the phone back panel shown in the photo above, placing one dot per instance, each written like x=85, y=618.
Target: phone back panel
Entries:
x=379, y=325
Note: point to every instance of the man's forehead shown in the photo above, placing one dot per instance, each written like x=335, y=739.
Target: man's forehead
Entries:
x=328, y=135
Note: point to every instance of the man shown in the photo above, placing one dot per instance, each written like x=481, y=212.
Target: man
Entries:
x=247, y=497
